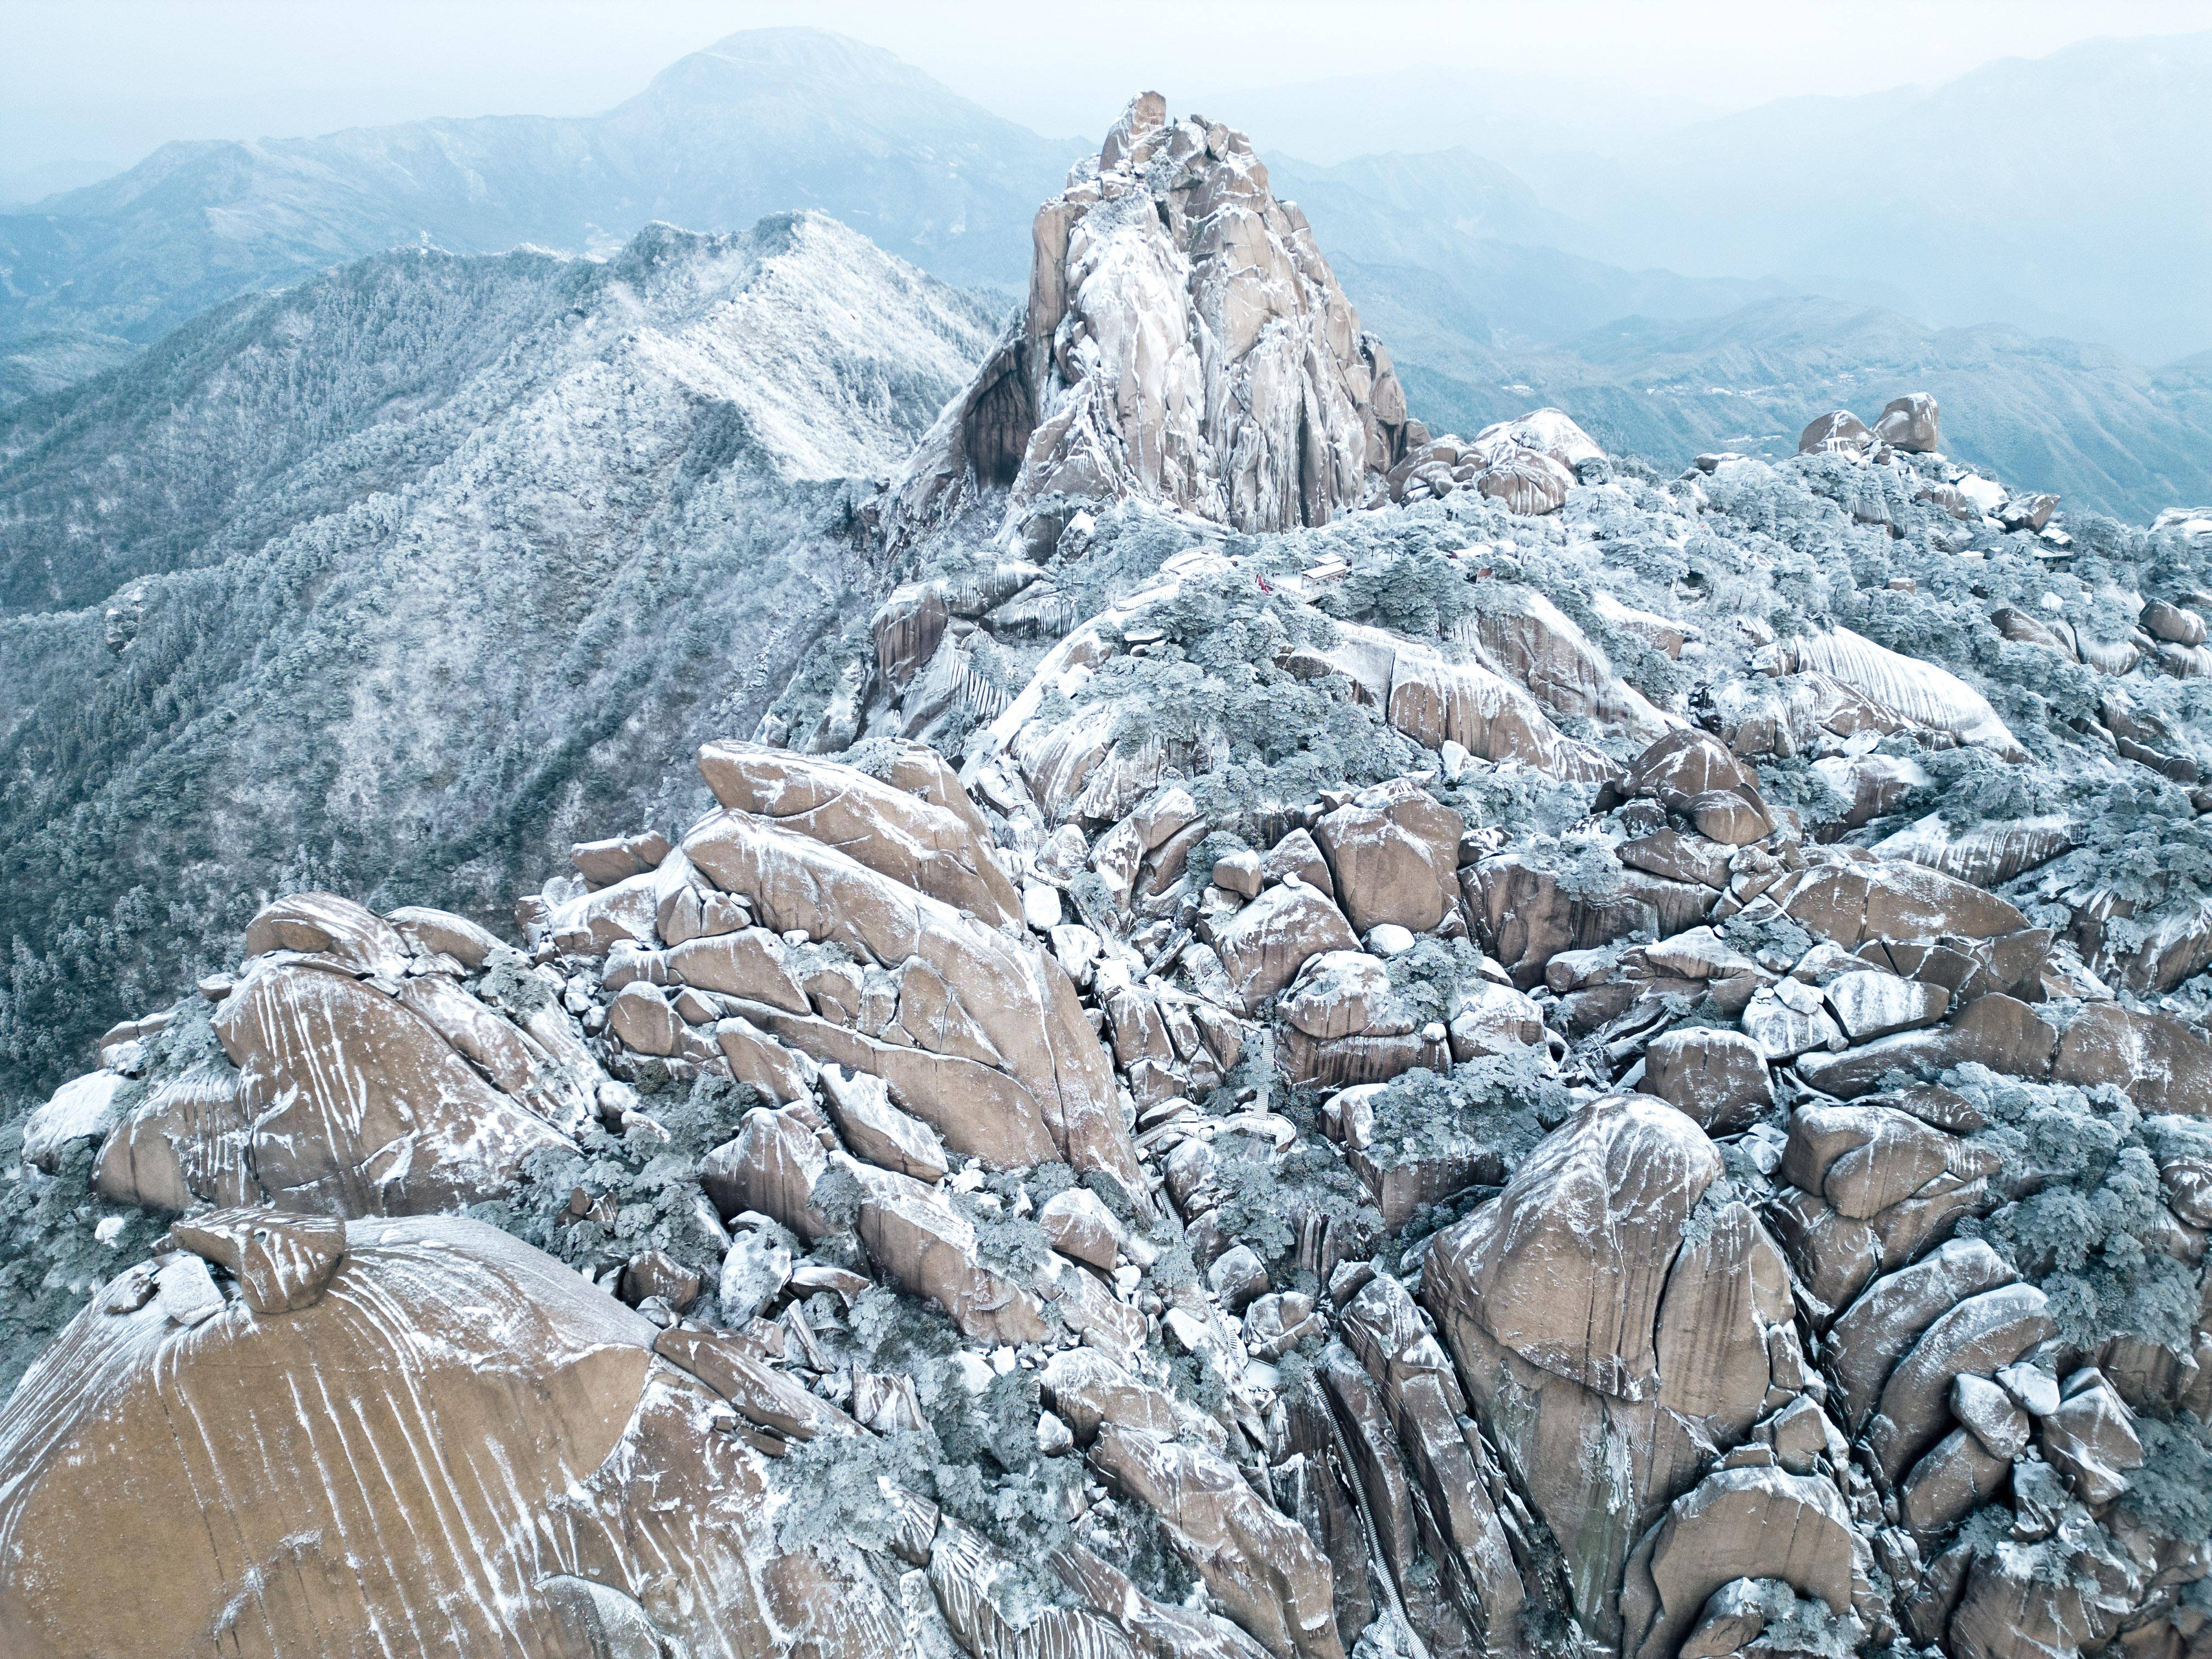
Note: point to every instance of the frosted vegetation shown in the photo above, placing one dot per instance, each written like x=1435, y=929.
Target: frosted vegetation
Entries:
x=426, y=568
x=1365, y=1152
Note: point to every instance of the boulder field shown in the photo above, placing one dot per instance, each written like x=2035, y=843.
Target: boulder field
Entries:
x=1333, y=1041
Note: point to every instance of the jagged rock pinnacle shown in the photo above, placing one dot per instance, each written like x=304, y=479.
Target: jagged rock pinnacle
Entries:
x=1184, y=342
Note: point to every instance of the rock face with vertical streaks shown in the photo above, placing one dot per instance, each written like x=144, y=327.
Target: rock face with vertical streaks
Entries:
x=359, y=1106
x=416, y=1455
x=1602, y=1303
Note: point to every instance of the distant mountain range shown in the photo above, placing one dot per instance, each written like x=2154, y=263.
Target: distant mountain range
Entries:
x=2029, y=204
x=2061, y=194
x=1481, y=231
x=2064, y=195
x=761, y=122
x=1444, y=256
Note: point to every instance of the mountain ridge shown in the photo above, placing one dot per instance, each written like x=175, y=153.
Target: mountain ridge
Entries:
x=794, y=118
x=1512, y=287
x=348, y=530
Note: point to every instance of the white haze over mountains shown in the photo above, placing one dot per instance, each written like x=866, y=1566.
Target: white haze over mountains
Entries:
x=2021, y=237
x=2062, y=194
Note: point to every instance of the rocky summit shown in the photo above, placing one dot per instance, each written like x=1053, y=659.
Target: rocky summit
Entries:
x=1324, y=1038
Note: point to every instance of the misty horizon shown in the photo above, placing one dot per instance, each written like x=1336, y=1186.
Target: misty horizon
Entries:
x=108, y=123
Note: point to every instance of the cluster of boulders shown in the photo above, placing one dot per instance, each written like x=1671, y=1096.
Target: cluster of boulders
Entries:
x=1445, y=1083
x=1715, y=1362
x=2167, y=632
x=1526, y=465
x=1908, y=435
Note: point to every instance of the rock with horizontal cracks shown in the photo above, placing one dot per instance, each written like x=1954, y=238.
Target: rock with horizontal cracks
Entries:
x=927, y=847
x=1677, y=857
x=1998, y=1031
x=1864, y=1158
x=1852, y=902
x=1053, y=1082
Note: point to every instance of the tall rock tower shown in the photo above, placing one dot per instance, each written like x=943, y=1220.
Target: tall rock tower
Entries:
x=1184, y=342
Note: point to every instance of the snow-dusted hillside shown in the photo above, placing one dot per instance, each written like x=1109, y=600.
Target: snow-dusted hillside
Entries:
x=414, y=565
x=767, y=121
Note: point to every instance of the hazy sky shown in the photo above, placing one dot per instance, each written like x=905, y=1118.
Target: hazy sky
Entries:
x=101, y=82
